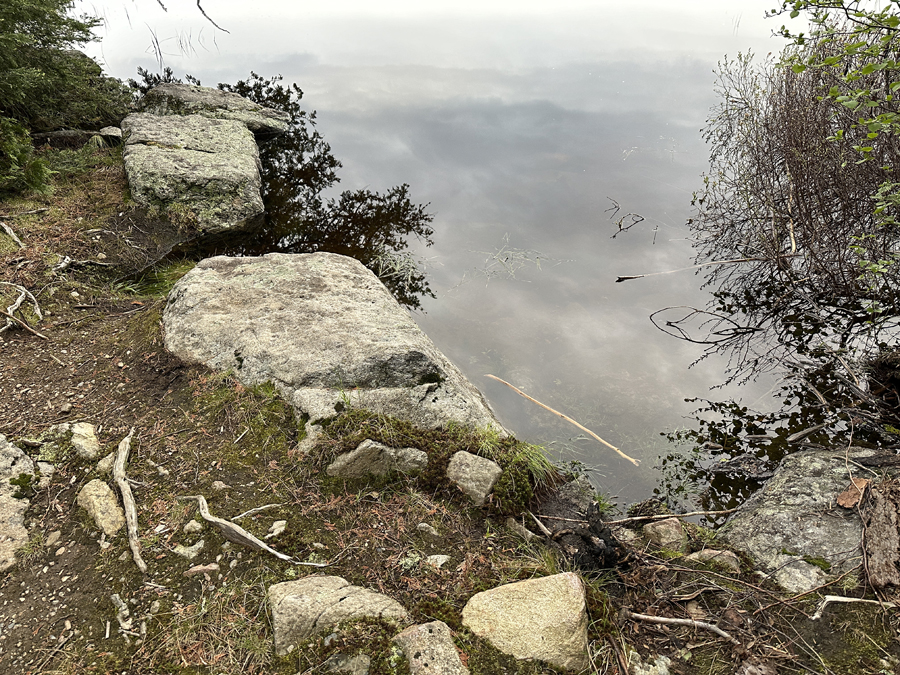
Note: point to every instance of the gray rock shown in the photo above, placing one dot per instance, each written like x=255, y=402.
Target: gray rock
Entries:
x=189, y=552
x=371, y=458
x=795, y=512
x=428, y=530
x=111, y=135
x=189, y=99
x=543, y=619
x=13, y=535
x=46, y=469
x=429, y=650
x=636, y=666
x=306, y=607
x=200, y=171
x=519, y=530
x=474, y=475
x=98, y=499
x=192, y=527
x=795, y=575
x=358, y=664
x=325, y=331
x=84, y=440
x=726, y=558
x=668, y=534
x=105, y=465
x=437, y=561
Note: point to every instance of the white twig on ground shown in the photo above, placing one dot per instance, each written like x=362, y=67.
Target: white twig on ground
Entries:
x=9, y=231
x=128, y=500
x=828, y=599
x=543, y=528
x=664, y=516
x=256, y=510
x=238, y=535
x=680, y=622
x=13, y=308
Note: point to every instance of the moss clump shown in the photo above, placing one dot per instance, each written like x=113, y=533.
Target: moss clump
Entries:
x=371, y=637
x=25, y=484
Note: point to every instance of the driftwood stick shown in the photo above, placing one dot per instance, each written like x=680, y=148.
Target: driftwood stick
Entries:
x=128, y=500
x=680, y=622
x=23, y=213
x=828, y=599
x=238, y=535
x=9, y=231
x=663, y=516
x=568, y=419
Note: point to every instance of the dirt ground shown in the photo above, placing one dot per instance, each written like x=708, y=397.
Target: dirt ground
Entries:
x=99, y=358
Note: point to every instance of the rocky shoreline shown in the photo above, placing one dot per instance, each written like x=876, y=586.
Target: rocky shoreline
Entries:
x=386, y=520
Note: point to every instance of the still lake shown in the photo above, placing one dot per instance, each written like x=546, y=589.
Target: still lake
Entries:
x=518, y=123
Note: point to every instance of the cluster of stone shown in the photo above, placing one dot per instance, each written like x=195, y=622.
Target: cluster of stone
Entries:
x=542, y=619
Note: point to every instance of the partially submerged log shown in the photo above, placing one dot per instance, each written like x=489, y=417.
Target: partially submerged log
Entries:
x=881, y=538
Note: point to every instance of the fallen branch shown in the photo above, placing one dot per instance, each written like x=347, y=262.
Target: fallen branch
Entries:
x=128, y=500
x=22, y=324
x=13, y=308
x=9, y=231
x=23, y=213
x=694, y=267
x=663, y=516
x=636, y=462
x=238, y=535
x=828, y=599
x=543, y=528
x=256, y=510
x=680, y=622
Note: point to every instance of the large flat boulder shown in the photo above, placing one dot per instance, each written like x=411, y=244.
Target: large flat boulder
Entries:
x=325, y=331
x=539, y=619
x=795, y=515
x=190, y=99
x=202, y=171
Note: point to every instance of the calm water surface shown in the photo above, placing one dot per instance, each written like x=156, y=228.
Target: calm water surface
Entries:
x=518, y=123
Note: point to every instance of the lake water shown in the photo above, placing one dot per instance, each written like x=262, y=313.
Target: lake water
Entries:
x=518, y=123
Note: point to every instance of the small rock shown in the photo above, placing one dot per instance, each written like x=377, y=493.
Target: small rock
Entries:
x=97, y=498
x=60, y=551
x=319, y=545
x=313, y=433
x=358, y=664
x=276, y=529
x=65, y=408
x=371, y=458
x=219, y=485
x=636, y=666
x=84, y=440
x=53, y=538
x=474, y=475
x=428, y=530
x=46, y=470
x=105, y=465
x=154, y=607
x=668, y=534
x=519, y=530
x=429, y=650
x=726, y=558
x=189, y=552
x=202, y=569
x=437, y=561
x=193, y=527
x=795, y=575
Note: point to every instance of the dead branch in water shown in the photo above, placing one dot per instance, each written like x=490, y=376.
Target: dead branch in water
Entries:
x=636, y=462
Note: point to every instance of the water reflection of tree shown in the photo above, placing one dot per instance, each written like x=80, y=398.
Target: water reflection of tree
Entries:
x=811, y=233
x=298, y=166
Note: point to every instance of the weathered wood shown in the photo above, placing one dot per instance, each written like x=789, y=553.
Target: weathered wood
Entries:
x=128, y=500
x=881, y=539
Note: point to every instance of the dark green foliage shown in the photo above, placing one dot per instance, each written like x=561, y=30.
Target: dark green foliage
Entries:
x=24, y=481
x=298, y=166
x=20, y=169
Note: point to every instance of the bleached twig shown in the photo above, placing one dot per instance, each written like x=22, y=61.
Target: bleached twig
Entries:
x=128, y=500
x=664, y=516
x=238, y=535
x=828, y=599
x=256, y=510
x=680, y=622
x=9, y=231
x=636, y=462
